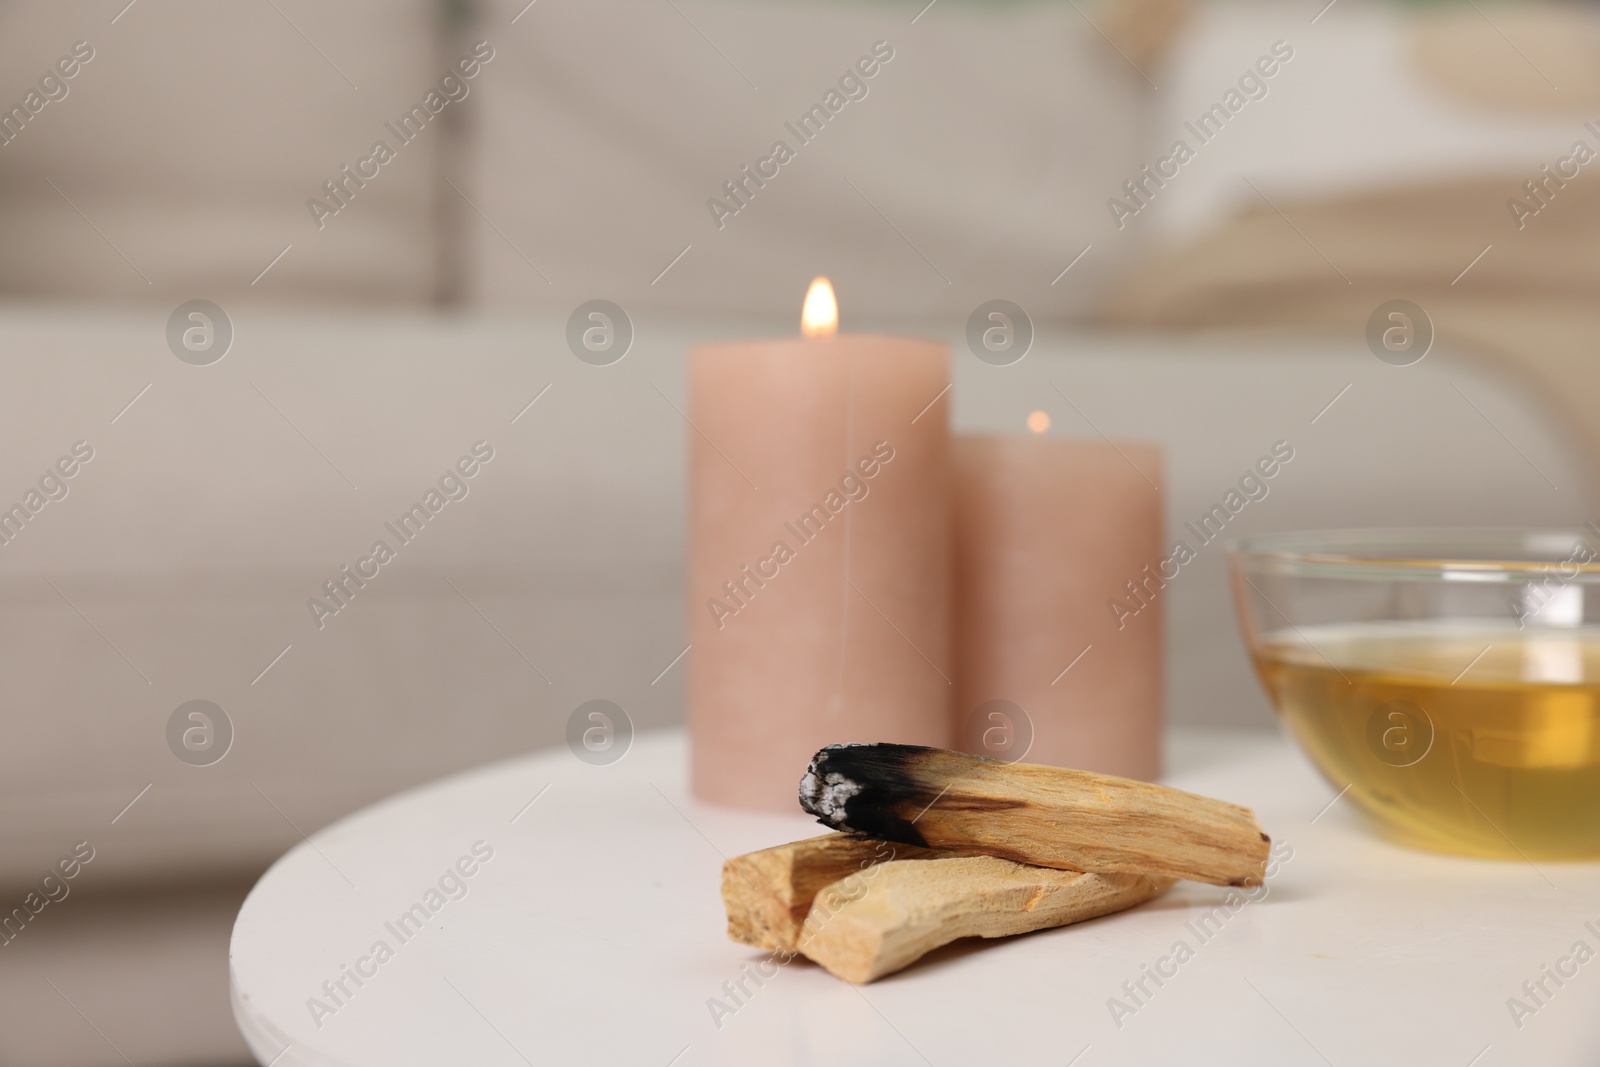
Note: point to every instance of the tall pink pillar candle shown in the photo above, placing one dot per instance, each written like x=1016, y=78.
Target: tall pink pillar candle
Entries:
x=1047, y=534
x=819, y=556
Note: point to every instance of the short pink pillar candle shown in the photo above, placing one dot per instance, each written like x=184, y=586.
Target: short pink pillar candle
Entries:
x=1047, y=534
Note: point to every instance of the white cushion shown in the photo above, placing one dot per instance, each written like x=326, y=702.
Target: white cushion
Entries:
x=976, y=166
x=193, y=139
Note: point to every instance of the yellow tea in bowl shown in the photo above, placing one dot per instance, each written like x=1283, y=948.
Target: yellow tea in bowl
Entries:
x=1449, y=678
x=1473, y=738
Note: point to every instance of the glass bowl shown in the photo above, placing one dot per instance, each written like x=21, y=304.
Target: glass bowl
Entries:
x=1450, y=679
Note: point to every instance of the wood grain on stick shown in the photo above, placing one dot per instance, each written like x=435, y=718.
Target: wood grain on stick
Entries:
x=768, y=893
x=862, y=929
x=1045, y=816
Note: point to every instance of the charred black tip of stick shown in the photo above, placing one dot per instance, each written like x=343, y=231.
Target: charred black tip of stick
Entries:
x=872, y=789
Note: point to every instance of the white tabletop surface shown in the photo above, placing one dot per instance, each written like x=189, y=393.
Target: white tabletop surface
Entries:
x=594, y=934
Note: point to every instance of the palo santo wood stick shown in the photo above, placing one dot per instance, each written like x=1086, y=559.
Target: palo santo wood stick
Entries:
x=1045, y=816
x=768, y=893
x=909, y=909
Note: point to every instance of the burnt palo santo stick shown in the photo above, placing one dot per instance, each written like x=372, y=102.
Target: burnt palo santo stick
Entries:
x=904, y=910
x=1029, y=813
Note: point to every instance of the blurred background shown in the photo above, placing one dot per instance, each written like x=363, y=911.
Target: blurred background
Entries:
x=375, y=312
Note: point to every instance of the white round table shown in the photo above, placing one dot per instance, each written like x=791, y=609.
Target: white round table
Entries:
x=545, y=911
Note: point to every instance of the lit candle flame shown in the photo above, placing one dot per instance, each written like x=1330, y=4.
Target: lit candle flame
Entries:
x=1038, y=422
x=819, y=317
